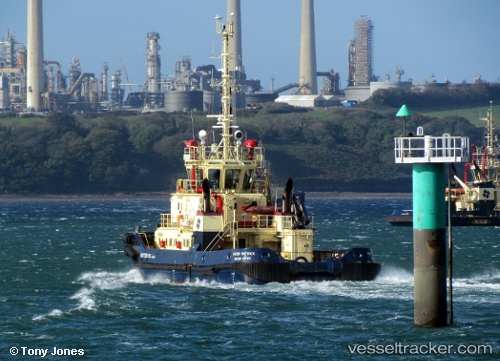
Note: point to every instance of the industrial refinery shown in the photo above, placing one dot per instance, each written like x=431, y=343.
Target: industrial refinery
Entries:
x=31, y=82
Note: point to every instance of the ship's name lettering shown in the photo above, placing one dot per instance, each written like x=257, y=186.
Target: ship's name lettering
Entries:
x=147, y=255
x=243, y=254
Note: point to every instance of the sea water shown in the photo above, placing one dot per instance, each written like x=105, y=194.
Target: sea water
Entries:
x=68, y=292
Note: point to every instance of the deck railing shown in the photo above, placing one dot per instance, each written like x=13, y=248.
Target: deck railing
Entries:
x=200, y=153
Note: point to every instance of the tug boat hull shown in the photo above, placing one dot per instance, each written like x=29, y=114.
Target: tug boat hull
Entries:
x=250, y=265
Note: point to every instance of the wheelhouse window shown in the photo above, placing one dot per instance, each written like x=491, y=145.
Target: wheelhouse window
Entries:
x=214, y=178
x=232, y=178
x=248, y=179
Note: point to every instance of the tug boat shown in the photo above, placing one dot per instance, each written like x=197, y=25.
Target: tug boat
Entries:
x=475, y=199
x=223, y=225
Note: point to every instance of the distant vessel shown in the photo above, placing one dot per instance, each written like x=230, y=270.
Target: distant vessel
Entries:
x=223, y=225
x=474, y=202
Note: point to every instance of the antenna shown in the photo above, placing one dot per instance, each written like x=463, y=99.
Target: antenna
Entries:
x=192, y=122
x=218, y=27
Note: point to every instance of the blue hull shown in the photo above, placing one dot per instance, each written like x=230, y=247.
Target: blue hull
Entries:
x=249, y=265
x=225, y=276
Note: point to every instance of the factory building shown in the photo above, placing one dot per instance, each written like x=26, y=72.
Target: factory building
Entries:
x=388, y=84
x=12, y=71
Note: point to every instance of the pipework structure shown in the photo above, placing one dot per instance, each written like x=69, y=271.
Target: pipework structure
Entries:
x=351, y=63
x=12, y=73
x=103, y=83
x=428, y=155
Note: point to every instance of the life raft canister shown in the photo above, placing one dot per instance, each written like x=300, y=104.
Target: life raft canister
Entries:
x=191, y=144
x=250, y=144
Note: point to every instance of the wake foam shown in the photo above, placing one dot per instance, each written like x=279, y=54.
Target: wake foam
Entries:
x=84, y=297
x=394, y=275
x=110, y=280
x=491, y=277
x=485, y=286
x=53, y=313
x=94, y=282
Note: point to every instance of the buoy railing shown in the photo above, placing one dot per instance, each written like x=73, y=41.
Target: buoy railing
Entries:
x=429, y=149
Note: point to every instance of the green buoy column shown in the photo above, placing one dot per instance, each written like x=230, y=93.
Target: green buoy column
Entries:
x=429, y=244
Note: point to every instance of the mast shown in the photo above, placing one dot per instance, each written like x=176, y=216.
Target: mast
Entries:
x=224, y=120
x=490, y=150
x=489, y=127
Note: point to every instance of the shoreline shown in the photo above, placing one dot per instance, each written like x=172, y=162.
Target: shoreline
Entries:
x=166, y=196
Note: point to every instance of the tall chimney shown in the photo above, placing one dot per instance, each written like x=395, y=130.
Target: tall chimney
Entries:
x=234, y=16
x=153, y=72
x=308, y=74
x=34, y=81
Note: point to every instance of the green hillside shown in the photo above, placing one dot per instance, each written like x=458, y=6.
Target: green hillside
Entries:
x=337, y=149
x=472, y=114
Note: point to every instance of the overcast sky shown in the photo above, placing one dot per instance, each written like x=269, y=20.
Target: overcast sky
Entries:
x=452, y=39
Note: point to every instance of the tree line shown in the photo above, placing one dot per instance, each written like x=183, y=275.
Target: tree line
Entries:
x=462, y=95
x=329, y=150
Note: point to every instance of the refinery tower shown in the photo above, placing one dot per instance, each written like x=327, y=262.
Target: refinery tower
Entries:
x=361, y=53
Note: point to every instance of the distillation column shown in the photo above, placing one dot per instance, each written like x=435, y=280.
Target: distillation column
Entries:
x=153, y=63
x=103, y=84
x=308, y=74
x=35, y=73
